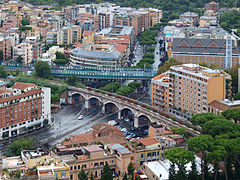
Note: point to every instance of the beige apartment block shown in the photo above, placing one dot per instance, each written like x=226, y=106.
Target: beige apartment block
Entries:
x=188, y=88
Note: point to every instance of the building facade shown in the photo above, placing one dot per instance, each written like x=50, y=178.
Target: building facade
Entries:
x=210, y=51
x=99, y=55
x=69, y=35
x=24, y=107
x=25, y=51
x=191, y=88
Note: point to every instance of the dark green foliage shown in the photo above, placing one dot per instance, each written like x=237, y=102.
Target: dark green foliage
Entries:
x=131, y=170
x=111, y=87
x=125, y=177
x=135, y=85
x=25, y=28
x=60, y=61
x=19, y=59
x=180, y=131
x=148, y=37
x=232, y=114
x=230, y=20
x=91, y=178
x=141, y=64
x=107, y=173
x=82, y=175
x=3, y=72
x=147, y=60
x=124, y=91
x=202, y=118
x=151, y=49
x=220, y=126
x=234, y=74
x=60, y=55
x=42, y=69
x=166, y=66
x=25, y=21
x=1, y=56
x=172, y=172
x=148, y=56
x=193, y=174
x=15, y=148
x=72, y=80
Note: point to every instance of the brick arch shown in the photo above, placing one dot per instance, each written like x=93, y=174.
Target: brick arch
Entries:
x=98, y=98
x=79, y=94
x=117, y=105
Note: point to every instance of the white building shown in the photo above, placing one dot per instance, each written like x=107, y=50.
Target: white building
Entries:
x=24, y=50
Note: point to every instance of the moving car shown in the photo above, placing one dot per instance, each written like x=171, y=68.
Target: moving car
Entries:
x=80, y=117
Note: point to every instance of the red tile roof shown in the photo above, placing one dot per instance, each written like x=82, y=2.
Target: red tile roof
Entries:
x=2, y=91
x=93, y=148
x=121, y=48
x=87, y=33
x=23, y=86
x=29, y=93
x=148, y=141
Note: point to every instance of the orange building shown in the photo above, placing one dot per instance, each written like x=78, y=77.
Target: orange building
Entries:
x=191, y=88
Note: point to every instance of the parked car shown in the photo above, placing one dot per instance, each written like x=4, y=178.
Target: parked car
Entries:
x=80, y=117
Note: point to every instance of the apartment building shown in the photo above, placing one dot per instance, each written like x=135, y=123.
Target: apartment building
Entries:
x=154, y=16
x=88, y=37
x=100, y=55
x=51, y=36
x=5, y=46
x=214, y=6
x=24, y=107
x=92, y=159
x=37, y=46
x=69, y=35
x=191, y=88
x=117, y=34
x=25, y=51
x=145, y=150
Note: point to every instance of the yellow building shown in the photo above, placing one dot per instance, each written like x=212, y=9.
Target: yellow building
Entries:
x=12, y=6
x=145, y=150
x=69, y=35
x=56, y=170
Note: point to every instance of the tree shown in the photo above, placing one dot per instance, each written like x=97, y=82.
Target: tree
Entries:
x=124, y=91
x=215, y=157
x=106, y=173
x=91, y=178
x=72, y=80
x=193, y=174
x=125, y=176
x=111, y=87
x=24, y=28
x=42, y=69
x=220, y=126
x=166, y=66
x=60, y=55
x=180, y=157
x=3, y=72
x=60, y=61
x=131, y=170
x=180, y=131
x=19, y=59
x=25, y=21
x=1, y=56
x=202, y=118
x=172, y=172
x=135, y=85
x=82, y=175
x=201, y=144
x=15, y=148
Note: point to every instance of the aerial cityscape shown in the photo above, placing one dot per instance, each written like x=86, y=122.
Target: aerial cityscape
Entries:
x=120, y=90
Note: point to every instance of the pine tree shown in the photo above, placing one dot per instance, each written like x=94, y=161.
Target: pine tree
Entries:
x=82, y=175
x=107, y=173
x=125, y=177
x=92, y=178
x=172, y=172
x=131, y=170
x=193, y=175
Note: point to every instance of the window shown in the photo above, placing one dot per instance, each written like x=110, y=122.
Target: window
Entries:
x=148, y=154
x=84, y=166
x=95, y=164
x=63, y=174
x=71, y=176
x=96, y=173
x=142, y=155
x=101, y=163
x=79, y=167
x=153, y=153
